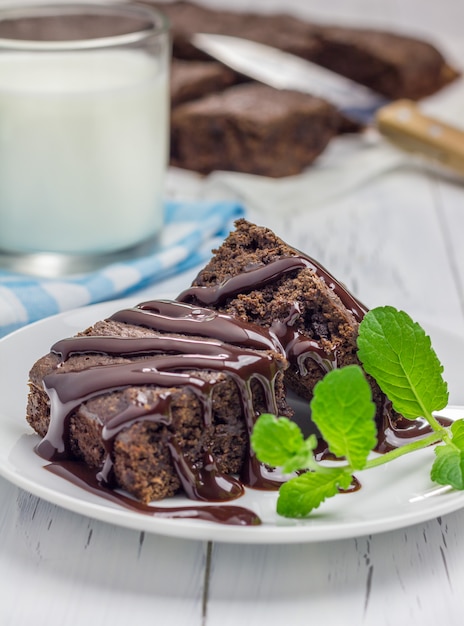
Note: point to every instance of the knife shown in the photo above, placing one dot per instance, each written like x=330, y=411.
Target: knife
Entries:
x=400, y=121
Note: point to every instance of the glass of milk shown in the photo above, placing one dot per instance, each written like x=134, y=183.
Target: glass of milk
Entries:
x=84, y=127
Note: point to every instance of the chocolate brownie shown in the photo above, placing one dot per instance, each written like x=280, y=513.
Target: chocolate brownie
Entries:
x=392, y=64
x=194, y=79
x=258, y=278
x=395, y=65
x=158, y=398
x=252, y=128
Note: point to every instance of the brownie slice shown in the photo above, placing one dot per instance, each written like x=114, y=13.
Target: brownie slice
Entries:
x=257, y=277
x=252, y=128
x=100, y=398
x=395, y=65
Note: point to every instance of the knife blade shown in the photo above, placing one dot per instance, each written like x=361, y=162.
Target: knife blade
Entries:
x=401, y=121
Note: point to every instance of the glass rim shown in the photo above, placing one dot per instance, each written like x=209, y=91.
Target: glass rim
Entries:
x=159, y=25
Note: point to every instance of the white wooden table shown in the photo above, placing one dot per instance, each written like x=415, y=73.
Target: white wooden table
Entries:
x=396, y=240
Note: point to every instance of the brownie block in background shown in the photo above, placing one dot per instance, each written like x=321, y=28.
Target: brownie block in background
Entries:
x=252, y=128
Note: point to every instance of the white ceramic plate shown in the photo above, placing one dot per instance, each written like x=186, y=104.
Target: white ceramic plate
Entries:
x=396, y=495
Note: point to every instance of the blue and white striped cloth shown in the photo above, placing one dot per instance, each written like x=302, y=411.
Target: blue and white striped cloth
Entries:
x=191, y=230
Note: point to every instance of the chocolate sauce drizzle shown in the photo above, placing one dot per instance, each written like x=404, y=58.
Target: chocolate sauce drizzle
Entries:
x=297, y=347
x=258, y=277
x=209, y=341
x=82, y=476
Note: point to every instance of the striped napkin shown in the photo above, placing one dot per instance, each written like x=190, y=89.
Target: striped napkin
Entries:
x=191, y=230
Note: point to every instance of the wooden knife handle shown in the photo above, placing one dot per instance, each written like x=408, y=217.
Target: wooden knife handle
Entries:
x=403, y=123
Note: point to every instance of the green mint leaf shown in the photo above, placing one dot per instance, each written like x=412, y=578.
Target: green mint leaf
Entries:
x=343, y=411
x=448, y=467
x=396, y=351
x=457, y=431
x=302, y=459
x=279, y=442
x=301, y=495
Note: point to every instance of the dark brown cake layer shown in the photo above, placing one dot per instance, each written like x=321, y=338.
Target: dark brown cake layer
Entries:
x=153, y=411
x=395, y=65
x=252, y=128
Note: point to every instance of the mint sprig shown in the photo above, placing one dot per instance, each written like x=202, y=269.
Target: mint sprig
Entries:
x=396, y=351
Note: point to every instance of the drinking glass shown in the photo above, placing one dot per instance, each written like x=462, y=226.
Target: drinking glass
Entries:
x=84, y=128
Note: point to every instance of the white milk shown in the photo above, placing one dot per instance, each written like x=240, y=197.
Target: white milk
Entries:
x=83, y=150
